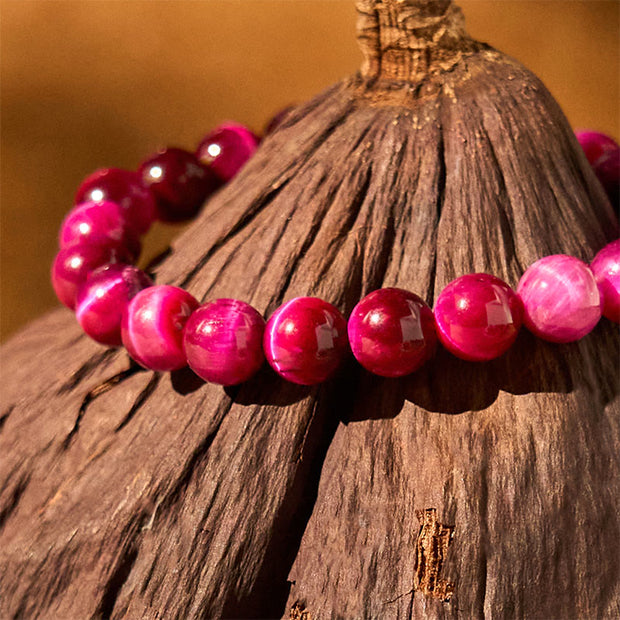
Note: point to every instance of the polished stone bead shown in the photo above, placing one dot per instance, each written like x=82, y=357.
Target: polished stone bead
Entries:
x=561, y=299
x=596, y=145
x=606, y=269
x=104, y=297
x=306, y=340
x=603, y=153
x=125, y=188
x=152, y=327
x=98, y=223
x=72, y=266
x=478, y=317
x=223, y=341
x=226, y=149
x=392, y=332
x=179, y=182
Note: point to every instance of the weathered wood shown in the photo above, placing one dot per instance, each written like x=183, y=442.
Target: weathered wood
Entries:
x=131, y=493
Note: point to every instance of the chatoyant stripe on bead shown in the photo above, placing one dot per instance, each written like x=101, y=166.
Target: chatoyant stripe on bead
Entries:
x=391, y=332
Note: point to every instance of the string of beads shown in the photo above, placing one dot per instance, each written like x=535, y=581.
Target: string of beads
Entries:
x=391, y=332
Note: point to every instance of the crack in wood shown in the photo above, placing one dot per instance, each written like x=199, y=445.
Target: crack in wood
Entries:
x=11, y=504
x=441, y=197
x=84, y=370
x=193, y=467
x=242, y=223
x=432, y=545
x=5, y=416
x=140, y=400
x=93, y=394
x=299, y=612
x=116, y=581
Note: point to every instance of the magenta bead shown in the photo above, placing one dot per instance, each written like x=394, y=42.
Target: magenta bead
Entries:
x=152, y=327
x=125, y=188
x=179, y=182
x=72, y=266
x=596, y=145
x=392, y=332
x=603, y=153
x=606, y=269
x=306, y=340
x=560, y=298
x=478, y=317
x=227, y=149
x=223, y=341
x=98, y=223
x=104, y=297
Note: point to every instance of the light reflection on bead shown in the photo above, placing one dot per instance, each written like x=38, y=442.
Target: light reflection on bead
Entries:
x=179, y=182
x=98, y=223
x=478, y=317
x=124, y=188
x=606, y=269
x=561, y=299
x=223, y=341
x=72, y=266
x=306, y=340
x=104, y=297
x=152, y=327
x=392, y=332
x=226, y=149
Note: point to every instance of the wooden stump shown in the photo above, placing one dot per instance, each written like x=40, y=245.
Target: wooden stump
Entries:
x=461, y=491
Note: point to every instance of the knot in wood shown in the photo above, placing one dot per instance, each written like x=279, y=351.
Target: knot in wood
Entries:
x=408, y=40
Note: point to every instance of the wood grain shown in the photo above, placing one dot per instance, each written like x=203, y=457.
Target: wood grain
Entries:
x=127, y=493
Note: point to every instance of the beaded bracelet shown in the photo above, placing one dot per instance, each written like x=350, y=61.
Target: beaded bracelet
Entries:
x=391, y=332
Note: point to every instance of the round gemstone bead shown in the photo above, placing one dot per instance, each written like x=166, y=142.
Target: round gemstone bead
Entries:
x=152, y=327
x=603, y=153
x=606, y=269
x=478, y=317
x=223, y=341
x=306, y=340
x=561, y=299
x=103, y=298
x=73, y=264
x=179, y=182
x=98, y=223
x=125, y=188
x=226, y=149
x=392, y=332
x=596, y=145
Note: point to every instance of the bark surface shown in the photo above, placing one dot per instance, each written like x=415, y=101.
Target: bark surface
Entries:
x=464, y=490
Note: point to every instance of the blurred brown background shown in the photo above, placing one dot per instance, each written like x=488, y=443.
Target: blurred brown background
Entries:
x=87, y=84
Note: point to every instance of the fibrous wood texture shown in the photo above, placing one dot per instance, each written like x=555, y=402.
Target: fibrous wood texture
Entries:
x=464, y=490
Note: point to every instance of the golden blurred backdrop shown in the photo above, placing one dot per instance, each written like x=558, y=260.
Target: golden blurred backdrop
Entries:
x=88, y=84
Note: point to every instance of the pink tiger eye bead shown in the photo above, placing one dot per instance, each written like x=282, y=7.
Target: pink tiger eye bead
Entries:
x=103, y=298
x=223, y=341
x=179, y=182
x=124, y=188
x=72, y=266
x=152, y=327
x=392, y=332
x=561, y=299
x=226, y=149
x=606, y=269
x=98, y=223
x=595, y=145
x=603, y=153
x=478, y=317
x=305, y=340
